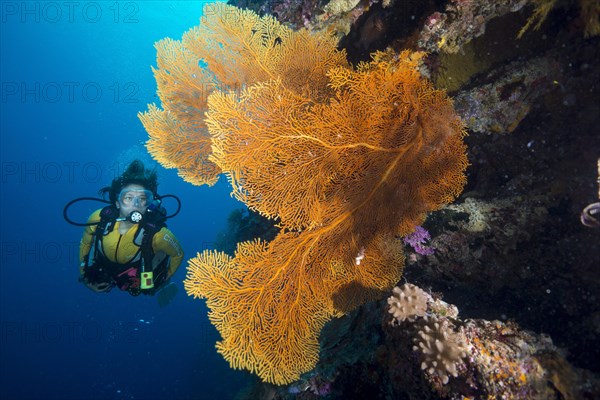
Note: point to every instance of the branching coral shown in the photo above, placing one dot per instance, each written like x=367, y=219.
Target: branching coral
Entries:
x=589, y=14
x=418, y=241
x=347, y=160
x=441, y=349
x=541, y=10
x=488, y=359
x=407, y=302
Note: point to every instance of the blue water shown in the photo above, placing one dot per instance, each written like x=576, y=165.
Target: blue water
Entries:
x=74, y=75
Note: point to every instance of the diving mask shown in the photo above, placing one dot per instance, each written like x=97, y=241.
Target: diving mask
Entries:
x=136, y=197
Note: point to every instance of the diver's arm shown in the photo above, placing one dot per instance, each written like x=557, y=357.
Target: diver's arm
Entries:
x=88, y=238
x=165, y=241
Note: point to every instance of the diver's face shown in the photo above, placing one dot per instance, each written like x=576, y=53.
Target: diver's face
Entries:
x=133, y=197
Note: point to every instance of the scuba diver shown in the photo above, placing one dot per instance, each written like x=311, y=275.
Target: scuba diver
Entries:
x=127, y=244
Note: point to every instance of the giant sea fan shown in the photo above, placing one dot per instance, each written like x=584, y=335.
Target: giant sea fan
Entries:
x=347, y=159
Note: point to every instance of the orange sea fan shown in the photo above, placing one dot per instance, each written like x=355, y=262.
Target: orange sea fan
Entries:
x=347, y=175
x=386, y=135
x=347, y=160
x=271, y=300
x=178, y=135
x=236, y=48
x=173, y=144
x=241, y=48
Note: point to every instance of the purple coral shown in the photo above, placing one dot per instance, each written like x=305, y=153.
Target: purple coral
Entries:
x=322, y=389
x=418, y=239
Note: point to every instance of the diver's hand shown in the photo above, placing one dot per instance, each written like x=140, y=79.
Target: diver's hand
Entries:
x=98, y=287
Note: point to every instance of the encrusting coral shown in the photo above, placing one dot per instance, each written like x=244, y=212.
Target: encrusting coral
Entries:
x=346, y=158
x=486, y=359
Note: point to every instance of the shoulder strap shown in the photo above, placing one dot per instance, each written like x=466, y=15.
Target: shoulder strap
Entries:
x=154, y=221
x=160, y=272
x=147, y=251
x=108, y=216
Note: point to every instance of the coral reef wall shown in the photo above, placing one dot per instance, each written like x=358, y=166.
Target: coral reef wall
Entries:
x=335, y=130
x=512, y=248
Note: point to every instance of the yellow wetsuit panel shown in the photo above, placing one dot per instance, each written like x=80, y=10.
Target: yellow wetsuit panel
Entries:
x=88, y=237
x=165, y=241
x=122, y=248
